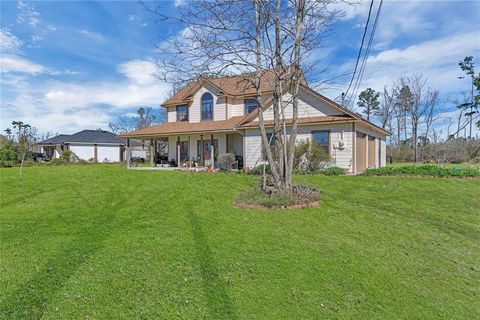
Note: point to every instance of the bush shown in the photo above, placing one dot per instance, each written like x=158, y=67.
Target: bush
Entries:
x=310, y=156
x=226, y=162
x=425, y=170
x=8, y=163
x=258, y=170
x=57, y=162
x=8, y=152
x=333, y=171
x=330, y=171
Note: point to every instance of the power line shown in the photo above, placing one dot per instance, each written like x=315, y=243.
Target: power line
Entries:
x=360, y=50
x=365, y=57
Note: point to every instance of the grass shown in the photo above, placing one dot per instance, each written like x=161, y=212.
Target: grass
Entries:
x=443, y=165
x=96, y=242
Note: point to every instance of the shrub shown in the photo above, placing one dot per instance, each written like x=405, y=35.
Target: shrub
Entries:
x=333, y=171
x=425, y=170
x=8, y=152
x=258, y=170
x=8, y=163
x=310, y=156
x=330, y=171
x=226, y=162
x=57, y=161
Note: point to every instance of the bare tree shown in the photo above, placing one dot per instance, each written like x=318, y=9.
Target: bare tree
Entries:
x=253, y=38
x=144, y=118
x=384, y=113
x=416, y=99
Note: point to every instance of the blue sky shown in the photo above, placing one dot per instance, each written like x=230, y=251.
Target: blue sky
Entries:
x=67, y=66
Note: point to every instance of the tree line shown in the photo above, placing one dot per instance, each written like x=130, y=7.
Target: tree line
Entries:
x=409, y=108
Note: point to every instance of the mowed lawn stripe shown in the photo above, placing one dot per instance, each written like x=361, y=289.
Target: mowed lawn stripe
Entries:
x=117, y=243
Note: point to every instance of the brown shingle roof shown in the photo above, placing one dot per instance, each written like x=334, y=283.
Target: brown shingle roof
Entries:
x=231, y=86
x=181, y=127
x=310, y=120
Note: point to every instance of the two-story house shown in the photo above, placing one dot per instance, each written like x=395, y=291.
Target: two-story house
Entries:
x=223, y=112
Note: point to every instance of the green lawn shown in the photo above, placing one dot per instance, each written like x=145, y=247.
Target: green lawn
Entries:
x=97, y=242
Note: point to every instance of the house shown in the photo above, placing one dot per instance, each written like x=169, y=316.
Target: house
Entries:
x=222, y=112
x=90, y=145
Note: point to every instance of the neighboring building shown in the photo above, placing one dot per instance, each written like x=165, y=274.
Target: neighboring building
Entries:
x=91, y=145
x=223, y=112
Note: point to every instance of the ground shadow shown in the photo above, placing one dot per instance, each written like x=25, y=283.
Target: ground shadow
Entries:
x=219, y=302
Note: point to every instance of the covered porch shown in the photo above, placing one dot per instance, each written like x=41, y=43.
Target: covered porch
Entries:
x=183, y=151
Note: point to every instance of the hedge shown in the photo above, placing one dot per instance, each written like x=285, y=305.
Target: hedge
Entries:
x=425, y=170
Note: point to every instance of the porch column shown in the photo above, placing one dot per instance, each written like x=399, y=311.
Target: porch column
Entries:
x=129, y=153
x=95, y=153
x=212, y=151
x=178, y=152
x=202, y=152
x=152, y=155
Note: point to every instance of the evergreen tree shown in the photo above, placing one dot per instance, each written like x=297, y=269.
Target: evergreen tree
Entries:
x=368, y=101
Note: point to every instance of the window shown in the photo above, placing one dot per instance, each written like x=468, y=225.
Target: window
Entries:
x=207, y=106
x=322, y=138
x=182, y=113
x=250, y=105
x=183, y=150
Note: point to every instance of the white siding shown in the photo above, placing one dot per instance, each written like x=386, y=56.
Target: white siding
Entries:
x=341, y=154
x=219, y=104
x=108, y=153
x=172, y=114
x=309, y=106
x=219, y=109
x=84, y=152
x=235, y=143
x=236, y=107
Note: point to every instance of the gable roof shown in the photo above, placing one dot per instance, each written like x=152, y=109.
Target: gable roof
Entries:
x=235, y=86
x=86, y=136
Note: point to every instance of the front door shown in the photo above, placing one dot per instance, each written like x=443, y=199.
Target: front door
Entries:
x=204, y=149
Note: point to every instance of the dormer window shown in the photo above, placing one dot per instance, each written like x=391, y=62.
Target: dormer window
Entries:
x=250, y=105
x=207, y=106
x=182, y=113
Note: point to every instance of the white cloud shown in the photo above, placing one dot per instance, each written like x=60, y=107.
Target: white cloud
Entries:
x=139, y=71
x=8, y=41
x=179, y=3
x=11, y=63
x=92, y=35
x=68, y=107
x=27, y=14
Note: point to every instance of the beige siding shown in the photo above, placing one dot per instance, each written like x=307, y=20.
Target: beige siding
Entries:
x=309, y=106
x=219, y=109
x=219, y=105
x=340, y=144
x=236, y=107
x=172, y=114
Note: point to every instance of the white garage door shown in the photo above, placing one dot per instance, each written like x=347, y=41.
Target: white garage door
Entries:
x=83, y=152
x=108, y=153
